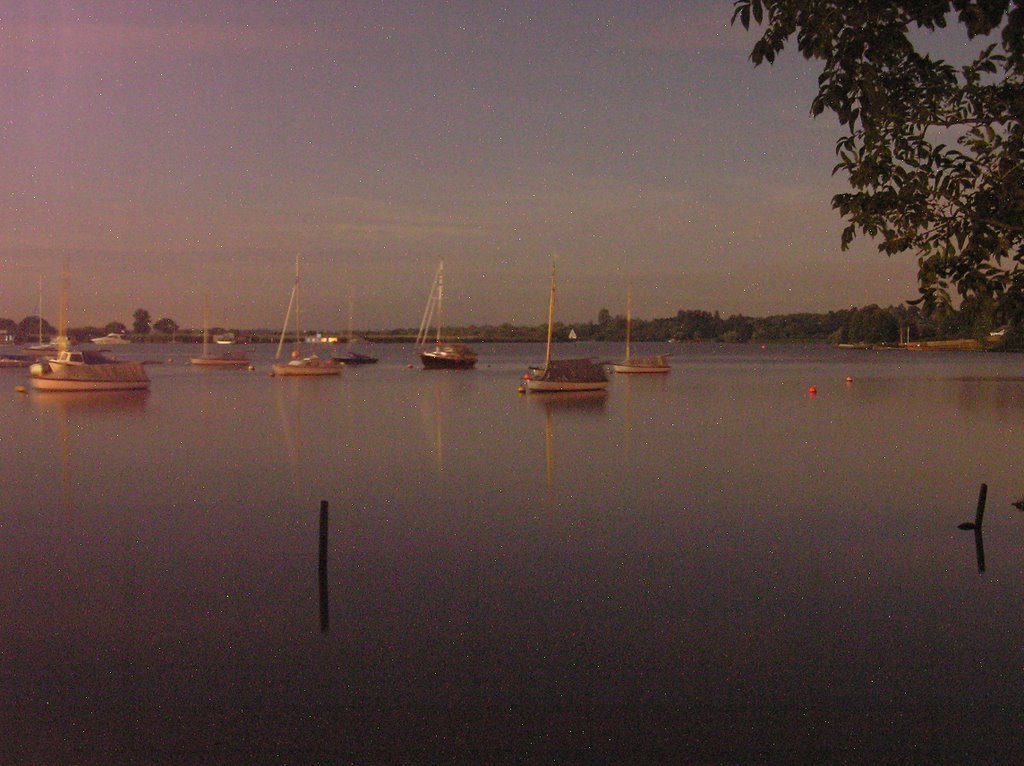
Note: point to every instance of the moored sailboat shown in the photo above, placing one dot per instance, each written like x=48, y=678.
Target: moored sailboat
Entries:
x=657, y=363
x=353, y=357
x=564, y=375
x=298, y=365
x=444, y=355
x=227, y=359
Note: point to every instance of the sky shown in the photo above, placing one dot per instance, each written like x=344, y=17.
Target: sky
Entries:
x=184, y=151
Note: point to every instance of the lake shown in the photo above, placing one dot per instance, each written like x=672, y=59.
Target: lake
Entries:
x=710, y=566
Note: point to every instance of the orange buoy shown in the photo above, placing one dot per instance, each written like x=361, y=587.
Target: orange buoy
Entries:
x=849, y=379
x=812, y=391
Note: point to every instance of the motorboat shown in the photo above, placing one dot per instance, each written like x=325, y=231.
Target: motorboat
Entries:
x=87, y=371
x=110, y=339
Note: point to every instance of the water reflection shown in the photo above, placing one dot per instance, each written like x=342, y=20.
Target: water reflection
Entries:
x=91, y=401
x=325, y=615
x=64, y=405
x=579, y=401
x=291, y=429
x=979, y=549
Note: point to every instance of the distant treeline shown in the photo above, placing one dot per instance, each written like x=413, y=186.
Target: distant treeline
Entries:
x=866, y=325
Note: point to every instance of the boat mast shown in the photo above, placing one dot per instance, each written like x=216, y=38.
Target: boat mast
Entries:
x=62, y=340
x=350, y=312
x=629, y=317
x=288, y=313
x=428, y=310
x=206, y=321
x=551, y=318
x=297, y=325
x=40, y=317
x=440, y=301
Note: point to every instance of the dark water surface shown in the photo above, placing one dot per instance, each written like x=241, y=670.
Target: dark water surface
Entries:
x=711, y=566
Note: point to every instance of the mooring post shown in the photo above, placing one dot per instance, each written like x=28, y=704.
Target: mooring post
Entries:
x=978, y=514
x=324, y=611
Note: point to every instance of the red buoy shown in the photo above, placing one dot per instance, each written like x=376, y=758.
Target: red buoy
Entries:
x=812, y=391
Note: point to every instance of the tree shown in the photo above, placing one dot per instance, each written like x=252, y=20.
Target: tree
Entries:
x=933, y=152
x=141, y=322
x=29, y=328
x=165, y=326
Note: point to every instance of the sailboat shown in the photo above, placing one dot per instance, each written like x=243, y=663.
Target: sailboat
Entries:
x=42, y=348
x=564, y=374
x=444, y=356
x=353, y=357
x=84, y=370
x=638, y=364
x=298, y=365
x=230, y=359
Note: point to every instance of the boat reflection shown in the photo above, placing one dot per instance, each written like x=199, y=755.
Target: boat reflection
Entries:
x=582, y=401
x=90, y=401
x=572, y=402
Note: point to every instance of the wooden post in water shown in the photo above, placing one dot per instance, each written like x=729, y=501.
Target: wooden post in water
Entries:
x=980, y=512
x=324, y=609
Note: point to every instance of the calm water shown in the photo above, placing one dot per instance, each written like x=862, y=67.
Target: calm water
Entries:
x=711, y=566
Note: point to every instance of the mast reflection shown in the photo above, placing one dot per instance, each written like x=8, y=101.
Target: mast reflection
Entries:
x=577, y=401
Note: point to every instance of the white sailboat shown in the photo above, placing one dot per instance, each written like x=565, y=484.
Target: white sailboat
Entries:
x=299, y=365
x=564, y=374
x=444, y=356
x=228, y=359
x=657, y=363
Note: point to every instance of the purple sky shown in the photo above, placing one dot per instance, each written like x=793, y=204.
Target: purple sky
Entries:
x=177, y=149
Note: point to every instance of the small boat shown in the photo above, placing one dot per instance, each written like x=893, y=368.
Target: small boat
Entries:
x=42, y=349
x=298, y=365
x=657, y=363
x=449, y=356
x=224, y=339
x=87, y=371
x=564, y=375
x=228, y=359
x=111, y=338
x=444, y=356
x=16, y=360
x=353, y=357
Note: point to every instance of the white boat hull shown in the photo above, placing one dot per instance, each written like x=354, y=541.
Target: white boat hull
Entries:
x=64, y=384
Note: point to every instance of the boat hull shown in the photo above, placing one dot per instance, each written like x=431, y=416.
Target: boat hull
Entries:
x=432, y=361
x=630, y=369
x=303, y=370
x=563, y=386
x=213, y=361
x=120, y=376
x=59, y=384
x=111, y=340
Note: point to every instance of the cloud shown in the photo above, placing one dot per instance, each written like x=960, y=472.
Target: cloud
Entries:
x=33, y=43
